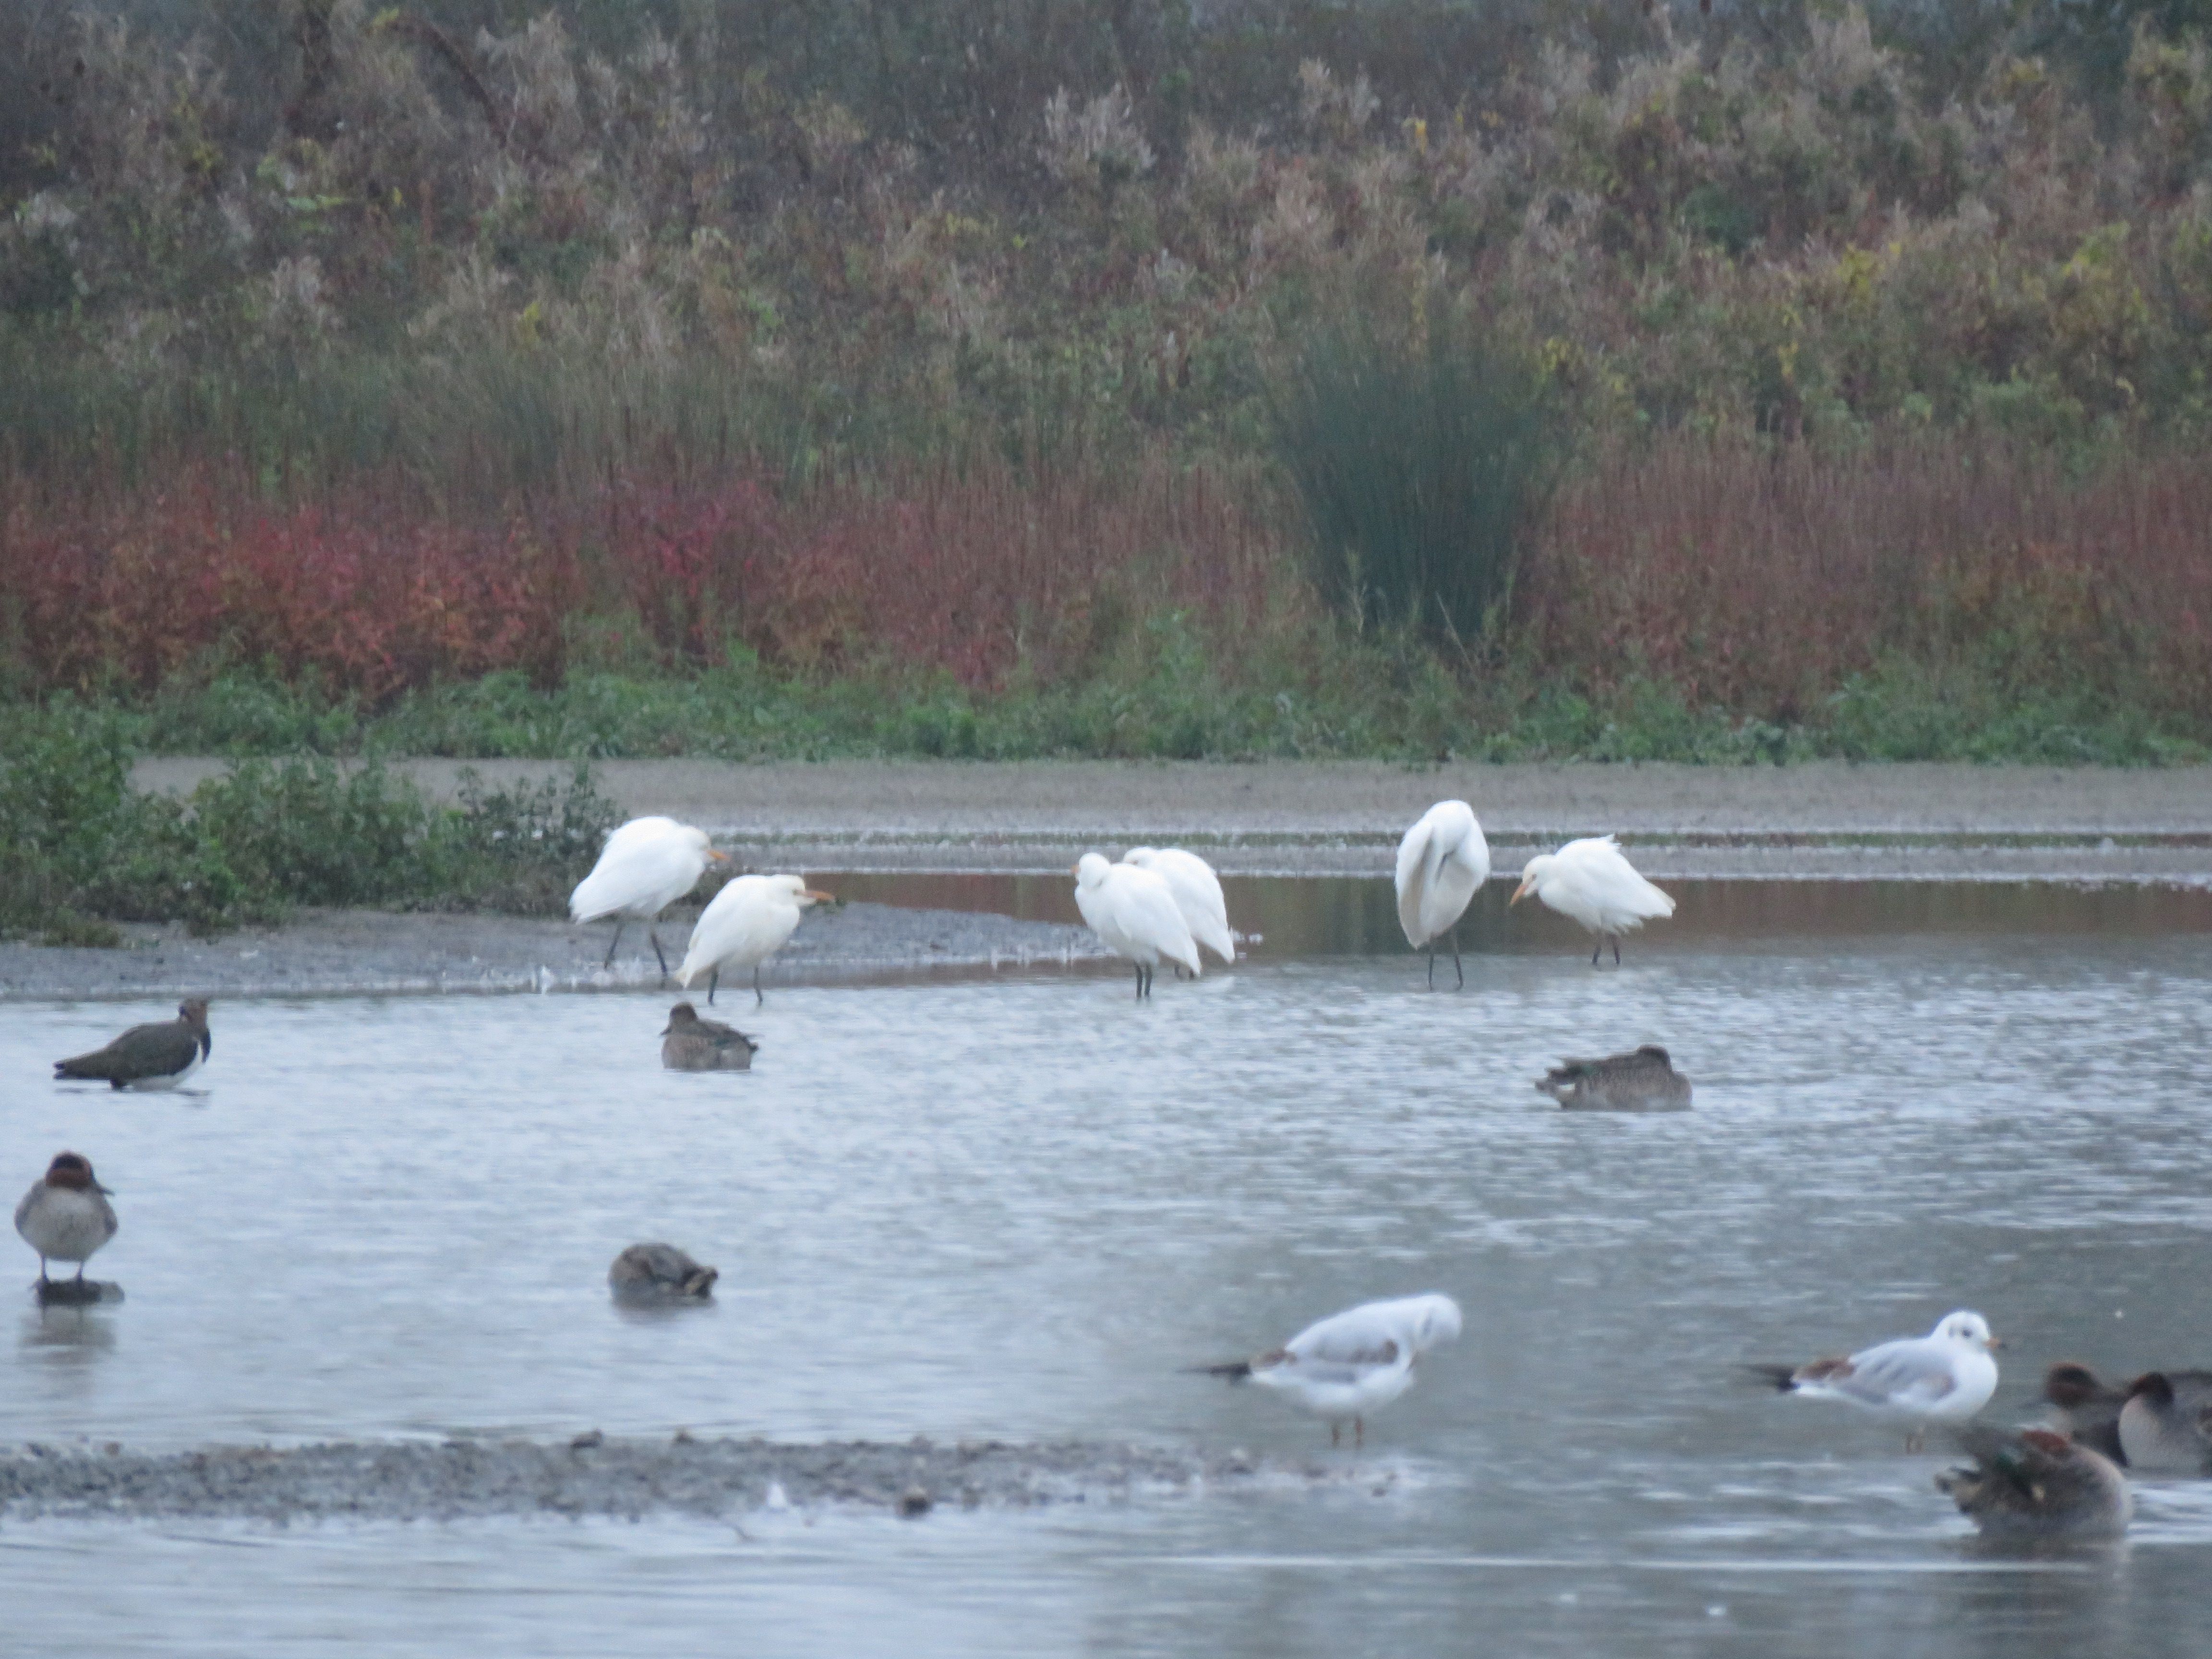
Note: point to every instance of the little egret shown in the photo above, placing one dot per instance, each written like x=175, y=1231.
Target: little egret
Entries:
x=1133, y=913
x=646, y=866
x=1591, y=882
x=1197, y=892
x=750, y=921
x=157, y=1056
x=1350, y=1363
x=1441, y=864
x=1945, y=1377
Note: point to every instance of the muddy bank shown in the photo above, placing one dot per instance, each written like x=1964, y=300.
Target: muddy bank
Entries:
x=323, y=952
x=462, y=1480
x=1823, y=820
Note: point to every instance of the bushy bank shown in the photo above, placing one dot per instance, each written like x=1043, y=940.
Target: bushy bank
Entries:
x=81, y=849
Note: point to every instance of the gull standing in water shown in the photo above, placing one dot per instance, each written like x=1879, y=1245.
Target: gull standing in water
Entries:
x=1945, y=1377
x=1443, y=862
x=1350, y=1363
x=1197, y=892
x=1591, y=881
x=1134, y=914
x=750, y=921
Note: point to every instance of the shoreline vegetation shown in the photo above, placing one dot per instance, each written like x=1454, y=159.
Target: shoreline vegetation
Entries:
x=1098, y=378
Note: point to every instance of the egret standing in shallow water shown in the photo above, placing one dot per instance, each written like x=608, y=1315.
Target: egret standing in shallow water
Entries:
x=1197, y=893
x=1591, y=882
x=646, y=866
x=1134, y=914
x=750, y=920
x=1441, y=864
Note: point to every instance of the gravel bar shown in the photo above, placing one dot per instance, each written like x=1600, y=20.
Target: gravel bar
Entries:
x=596, y=1475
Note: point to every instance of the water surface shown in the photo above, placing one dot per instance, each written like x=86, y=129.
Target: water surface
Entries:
x=1013, y=1205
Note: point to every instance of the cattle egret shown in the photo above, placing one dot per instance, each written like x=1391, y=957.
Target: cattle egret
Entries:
x=1197, y=892
x=750, y=921
x=1441, y=864
x=1591, y=882
x=1134, y=914
x=646, y=866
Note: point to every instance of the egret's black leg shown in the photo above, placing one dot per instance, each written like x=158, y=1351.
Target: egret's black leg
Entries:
x=1456, y=969
x=612, y=943
x=714, y=979
x=654, y=934
x=1597, y=949
x=1432, y=967
x=1616, y=950
x=759, y=995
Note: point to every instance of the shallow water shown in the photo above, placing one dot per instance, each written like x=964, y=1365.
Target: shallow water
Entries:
x=1012, y=1206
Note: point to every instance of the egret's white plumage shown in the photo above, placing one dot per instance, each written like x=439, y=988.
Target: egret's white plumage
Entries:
x=1197, y=892
x=1945, y=1377
x=1345, y=1366
x=1443, y=862
x=646, y=866
x=750, y=921
x=1591, y=881
x=1134, y=914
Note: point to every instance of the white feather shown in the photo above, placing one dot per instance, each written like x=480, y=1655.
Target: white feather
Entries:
x=646, y=866
x=1133, y=913
x=1441, y=864
x=1197, y=893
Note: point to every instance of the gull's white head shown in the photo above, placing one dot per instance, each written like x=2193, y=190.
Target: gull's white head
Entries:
x=1531, y=873
x=1435, y=1318
x=1970, y=1329
x=1092, y=869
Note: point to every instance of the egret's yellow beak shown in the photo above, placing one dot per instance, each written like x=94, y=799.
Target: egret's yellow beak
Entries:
x=1519, y=893
x=717, y=857
x=813, y=897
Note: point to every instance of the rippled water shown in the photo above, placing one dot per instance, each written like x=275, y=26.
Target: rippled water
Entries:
x=1012, y=1206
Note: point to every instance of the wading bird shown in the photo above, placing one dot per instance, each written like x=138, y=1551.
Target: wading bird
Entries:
x=1353, y=1363
x=646, y=866
x=1197, y=892
x=1443, y=862
x=2033, y=1483
x=66, y=1216
x=750, y=920
x=1945, y=1377
x=157, y=1056
x=2166, y=1427
x=1591, y=882
x=1133, y=913
x=689, y=1043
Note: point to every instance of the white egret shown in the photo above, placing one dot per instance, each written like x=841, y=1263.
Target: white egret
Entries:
x=646, y=866
x=1197, y=892
x=1345, y=1366
x=1945, y=1377
x=156, y=1056
x=1591, y=881
x=1133, y=913
x=66, y=1216
x=1441, y=864
x=748, y=921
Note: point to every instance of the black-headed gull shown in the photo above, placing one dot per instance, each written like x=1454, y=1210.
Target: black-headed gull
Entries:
x=1353, y=1363
x=1945, y=1377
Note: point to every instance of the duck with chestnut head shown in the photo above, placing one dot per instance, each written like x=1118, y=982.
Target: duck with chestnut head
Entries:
x=66, y=1216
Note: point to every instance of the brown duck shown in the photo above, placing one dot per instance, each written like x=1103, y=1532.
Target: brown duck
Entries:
x=157, y=1056
x=2084, y=1408
x=689, y=1043
x=1643, y=1081
x=659, y=1272
x=2033, y=1483
x=66, y=1216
